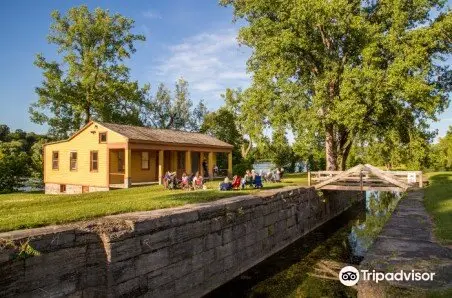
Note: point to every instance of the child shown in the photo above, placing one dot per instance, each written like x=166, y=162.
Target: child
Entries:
x=184, y=181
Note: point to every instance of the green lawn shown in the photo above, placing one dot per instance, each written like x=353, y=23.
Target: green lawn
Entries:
x=438, y=201
x=27, y=210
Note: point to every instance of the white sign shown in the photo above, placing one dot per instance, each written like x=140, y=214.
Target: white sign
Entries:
x=411, y=177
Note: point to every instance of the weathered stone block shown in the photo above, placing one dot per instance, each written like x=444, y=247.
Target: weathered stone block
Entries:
x=53, y=241
x=214, y=268
x=224, y=250
x=40, y=270
x=203, y=259
x=227, y=235
x=123, y=270
x=148, y=226
x=239, y=230
x=157, y=240
x=181, y=268
x=184, y=216
x=270, y=219
x=230, y=261
x=213, y=240
x=163, y=278
x=290, y=221
x=190, y=231
x=188, y=281
x=128, y=288
x=183, y=250
x=125, y=249
x=152, y=261
x=163, y=291
x=85, y=237
x=217, y=224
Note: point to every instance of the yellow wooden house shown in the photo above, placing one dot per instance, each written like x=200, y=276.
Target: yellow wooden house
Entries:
x=102, y=156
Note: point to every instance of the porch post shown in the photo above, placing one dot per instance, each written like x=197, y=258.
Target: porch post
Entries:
x=128, y=167
x=188, y=162
x=174, y=161
x=214, y=162
x=160, y=163
x=210, y=165
x=230, y=164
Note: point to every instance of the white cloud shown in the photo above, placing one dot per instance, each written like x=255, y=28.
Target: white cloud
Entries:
x=210, y=62
x=446, y=119
x=152, y=15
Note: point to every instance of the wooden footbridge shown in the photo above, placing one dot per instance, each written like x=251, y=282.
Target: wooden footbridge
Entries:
x=366, y=177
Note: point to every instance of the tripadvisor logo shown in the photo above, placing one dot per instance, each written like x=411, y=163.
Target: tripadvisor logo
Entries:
x=349, y=276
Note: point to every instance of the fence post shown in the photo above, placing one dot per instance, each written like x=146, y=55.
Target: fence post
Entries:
x=420, y=180
x=309, y=178
x=361, y=180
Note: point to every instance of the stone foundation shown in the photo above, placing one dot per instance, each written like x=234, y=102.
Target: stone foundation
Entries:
x=178, y=252
x=53, y=188
x=73, y=189
x=97, y=188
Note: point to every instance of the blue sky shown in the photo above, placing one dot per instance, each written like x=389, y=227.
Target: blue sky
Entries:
x=193, y=39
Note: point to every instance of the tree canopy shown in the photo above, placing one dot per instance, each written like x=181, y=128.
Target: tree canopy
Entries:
x=173, y=110
x=20, y=157
x=91, y=80
x=345, y=70
x=442, y=152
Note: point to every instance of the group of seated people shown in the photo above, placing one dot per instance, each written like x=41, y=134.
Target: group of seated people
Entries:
x=196, y=181
x=193, y=181
x=251, y=178
x=273, y=176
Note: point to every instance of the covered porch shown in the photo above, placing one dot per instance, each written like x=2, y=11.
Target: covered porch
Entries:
x=136, y=164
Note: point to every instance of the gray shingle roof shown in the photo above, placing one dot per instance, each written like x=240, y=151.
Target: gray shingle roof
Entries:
x=171, y=136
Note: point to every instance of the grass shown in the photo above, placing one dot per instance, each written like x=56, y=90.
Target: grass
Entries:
x=29, y=210
x=438, y=202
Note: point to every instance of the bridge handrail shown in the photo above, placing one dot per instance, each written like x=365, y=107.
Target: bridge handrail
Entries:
x=366, y=176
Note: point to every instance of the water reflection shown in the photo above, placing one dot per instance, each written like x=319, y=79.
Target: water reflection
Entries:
x=379, y=207
x=308, y=267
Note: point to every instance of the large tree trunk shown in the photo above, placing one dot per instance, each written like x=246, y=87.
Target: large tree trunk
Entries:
x=343, y=158
x=330, y=149
x=87, y=114
x=344, y=143
x=245, y=149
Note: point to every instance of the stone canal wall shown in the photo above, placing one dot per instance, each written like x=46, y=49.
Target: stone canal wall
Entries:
x=185, y=251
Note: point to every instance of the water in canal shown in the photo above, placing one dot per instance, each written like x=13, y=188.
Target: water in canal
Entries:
x=309, y=266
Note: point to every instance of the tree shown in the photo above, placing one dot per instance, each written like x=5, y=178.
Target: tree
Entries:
x=281, y=152
x=222, y=125
x=4, y=132
x=234, y=99
x=442, y=152
x=92, y=79
x=36, y=158
x=13, y=166
x=345, y=69
x=173, y=112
